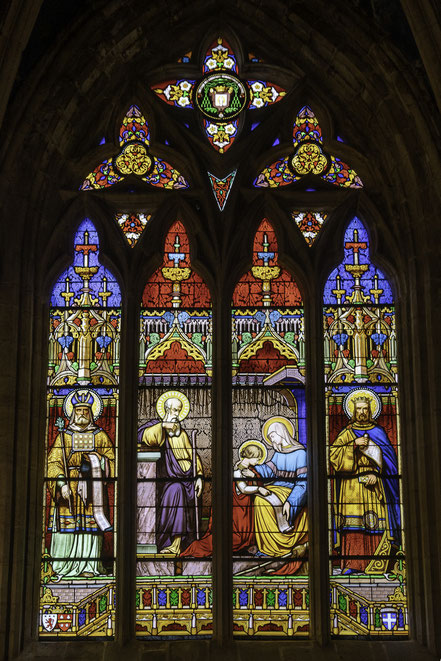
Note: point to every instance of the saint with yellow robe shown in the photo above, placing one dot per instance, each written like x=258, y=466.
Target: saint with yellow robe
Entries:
x=366, y=494
x=80, y=460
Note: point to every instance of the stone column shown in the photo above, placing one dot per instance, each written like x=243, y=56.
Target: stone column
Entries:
x=424, y=19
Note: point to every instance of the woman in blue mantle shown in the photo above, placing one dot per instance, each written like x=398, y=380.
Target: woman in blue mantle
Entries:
x=280, y=518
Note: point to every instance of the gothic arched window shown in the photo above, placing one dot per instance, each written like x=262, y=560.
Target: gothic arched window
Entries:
x=270, y=515
x=81, y=459
x=245, y=561
x=173, y=584
x=367, y=563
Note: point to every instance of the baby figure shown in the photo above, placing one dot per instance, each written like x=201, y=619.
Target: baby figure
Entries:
x=250, y=455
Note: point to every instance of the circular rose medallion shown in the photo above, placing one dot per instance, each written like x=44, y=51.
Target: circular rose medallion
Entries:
x=221, y=96
x=309, y=158
x=133, y=159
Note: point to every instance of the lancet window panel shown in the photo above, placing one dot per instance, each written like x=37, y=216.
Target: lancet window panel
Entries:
x=367, y=552
x=270, y=518
x=174, y=585
x=77, y=594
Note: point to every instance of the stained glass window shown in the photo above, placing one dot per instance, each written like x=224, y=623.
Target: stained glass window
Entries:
x=219, y=94
x=222, y=188
x=308, y=158
x=132, y=226
x=174, y=548
x=134, y=159
x=269, y=445
x=270, y=519
x=367, y=555
x=78, y=560
x=309, y=223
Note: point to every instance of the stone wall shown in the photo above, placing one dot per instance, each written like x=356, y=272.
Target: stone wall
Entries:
x=362, y=88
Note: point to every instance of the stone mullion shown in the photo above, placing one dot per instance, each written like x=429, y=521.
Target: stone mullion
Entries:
x=126, y=484
x=317, y=468
x=222, y=472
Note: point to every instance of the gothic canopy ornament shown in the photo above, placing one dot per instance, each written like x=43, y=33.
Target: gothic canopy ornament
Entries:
x=220, y=95
x=134, y=158
x=308, y=157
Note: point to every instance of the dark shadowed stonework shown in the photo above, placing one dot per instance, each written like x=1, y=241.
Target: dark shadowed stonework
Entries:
x=65, y=81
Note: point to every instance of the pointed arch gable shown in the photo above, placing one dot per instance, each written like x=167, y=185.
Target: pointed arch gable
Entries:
x=176, y=271
x=251, y=290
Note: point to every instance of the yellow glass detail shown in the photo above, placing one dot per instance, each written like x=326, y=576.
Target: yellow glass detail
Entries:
x=133, y=159
x=309, y=158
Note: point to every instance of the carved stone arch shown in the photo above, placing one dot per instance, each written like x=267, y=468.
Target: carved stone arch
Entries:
x=327, y=80
x=392, y=120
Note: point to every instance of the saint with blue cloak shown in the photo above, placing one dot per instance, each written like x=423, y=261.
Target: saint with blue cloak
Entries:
x=280, y=518
x=366, y=494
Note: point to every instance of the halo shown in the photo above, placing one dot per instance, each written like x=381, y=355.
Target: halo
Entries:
x=259, y=444
x=277, y=418
x=371, y=395
x=173, y=394
x=97, y=406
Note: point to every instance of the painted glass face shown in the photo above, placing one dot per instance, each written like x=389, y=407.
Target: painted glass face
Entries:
x=77, y=597
x=174, y=548
x=270, y=516
x=367, y=551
